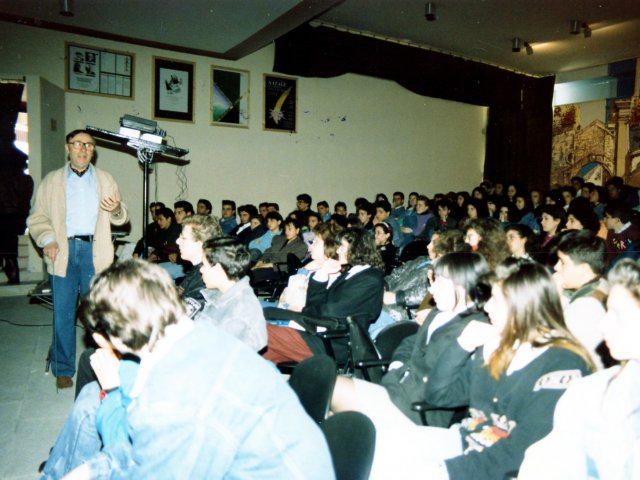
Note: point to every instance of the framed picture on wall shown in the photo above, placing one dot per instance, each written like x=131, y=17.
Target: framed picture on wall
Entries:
x=173, y=89
x=280, y=103
x=99, y=71
x=229, y=97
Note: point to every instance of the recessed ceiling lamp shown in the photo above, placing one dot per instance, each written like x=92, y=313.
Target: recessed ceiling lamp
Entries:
x=66, y=8
x=516, y=45
x=575, y=27
x=528, y=48
x=430, y=12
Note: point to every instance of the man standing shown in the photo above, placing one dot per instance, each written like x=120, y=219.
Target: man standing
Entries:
x=71, y=221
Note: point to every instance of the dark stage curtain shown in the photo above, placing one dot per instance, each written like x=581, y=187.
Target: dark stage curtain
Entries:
x=520, y=111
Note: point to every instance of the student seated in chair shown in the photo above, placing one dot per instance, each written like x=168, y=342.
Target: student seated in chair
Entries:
x=230, y=303
x=355, y=292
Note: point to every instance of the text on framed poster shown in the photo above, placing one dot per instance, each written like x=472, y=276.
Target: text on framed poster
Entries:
x=98, y=71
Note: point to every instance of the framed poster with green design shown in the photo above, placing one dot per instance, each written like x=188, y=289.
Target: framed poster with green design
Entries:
x=229, y=97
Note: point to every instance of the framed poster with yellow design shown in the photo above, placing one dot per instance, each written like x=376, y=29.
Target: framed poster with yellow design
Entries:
x=280, y=103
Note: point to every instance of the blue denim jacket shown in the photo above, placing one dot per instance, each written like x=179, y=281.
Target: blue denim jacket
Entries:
x=209, y=407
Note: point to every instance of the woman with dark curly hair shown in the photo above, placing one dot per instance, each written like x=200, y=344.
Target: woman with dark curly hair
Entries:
x=387, y=250
x=356, y=293
x=487, y=237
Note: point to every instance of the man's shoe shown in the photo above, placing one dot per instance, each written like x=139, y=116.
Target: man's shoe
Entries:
x=64, y=382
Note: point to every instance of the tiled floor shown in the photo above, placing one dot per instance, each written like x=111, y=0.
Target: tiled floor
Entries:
x=32, y=411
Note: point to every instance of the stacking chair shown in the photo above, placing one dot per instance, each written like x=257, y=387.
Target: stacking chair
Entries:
x=351, y=437
x=272, y=288
x=313, y=380
x=373, y=364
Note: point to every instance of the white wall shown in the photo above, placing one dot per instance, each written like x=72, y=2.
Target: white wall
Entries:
x=356, y=135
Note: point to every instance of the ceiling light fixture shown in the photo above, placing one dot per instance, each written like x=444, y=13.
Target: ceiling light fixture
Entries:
x=66, y=8
x=575, y=27
x=430, y=12
x=516, y=45
x=528, y=48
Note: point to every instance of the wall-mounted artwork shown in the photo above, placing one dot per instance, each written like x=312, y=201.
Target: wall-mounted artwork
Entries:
x=229, y=97
x=594, y=149
x=99, y=71
x=173, y=89
x=280, y=103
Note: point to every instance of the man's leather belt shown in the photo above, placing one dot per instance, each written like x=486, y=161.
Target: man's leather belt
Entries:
x=84, y=238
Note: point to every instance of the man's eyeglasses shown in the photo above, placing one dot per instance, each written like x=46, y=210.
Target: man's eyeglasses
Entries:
x=77, y=145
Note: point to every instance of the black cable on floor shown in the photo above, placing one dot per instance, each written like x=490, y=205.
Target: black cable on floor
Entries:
x=32, y=325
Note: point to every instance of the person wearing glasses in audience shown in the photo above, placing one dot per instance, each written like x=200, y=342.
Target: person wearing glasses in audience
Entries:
x=71, y=220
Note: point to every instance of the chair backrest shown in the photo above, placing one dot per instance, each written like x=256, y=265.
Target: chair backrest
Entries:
x=293, y=264
x=361, y=346
x=392, y=335
x=415, y=249
x=351, y=437
x=313, y=380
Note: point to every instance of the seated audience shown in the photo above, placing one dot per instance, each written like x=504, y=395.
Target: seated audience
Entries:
x=552, y=221
x=383, y=234
x=623, y=236
x=510, y=373
x=487, y=237
x=580, y=215
x=165, y=248
x=196, y=230
x=243, y=229
x=263, y=208
x=476, y=208
x=259, y=245
x=578, y=276
x=407, y=286
x=340, y=208
x=598, y=200
x=456, y=276
x=366, y=212
x=274, y=259
x=421, y=220
x=323, y=210
x=151, y=231
x=520, y=240
x=168, y=409
x=324, y=246
x=228, y=216
x=356, y=292
x=596, y=425
x=398, y=211
x=204, y=207
x=181, y=210
x=230, y=303
x=383, y=214
x=444, y=221
x=303, y=203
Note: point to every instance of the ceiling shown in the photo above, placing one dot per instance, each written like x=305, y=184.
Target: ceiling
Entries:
x=477, y=29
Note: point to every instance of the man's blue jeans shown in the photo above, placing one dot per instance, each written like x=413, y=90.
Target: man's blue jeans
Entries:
x=66, y=291
x=79, y=440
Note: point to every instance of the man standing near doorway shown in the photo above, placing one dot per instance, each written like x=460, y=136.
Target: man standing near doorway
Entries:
x=71, y=221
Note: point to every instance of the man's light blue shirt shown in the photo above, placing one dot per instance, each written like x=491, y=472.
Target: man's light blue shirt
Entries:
x=82, y=202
